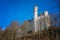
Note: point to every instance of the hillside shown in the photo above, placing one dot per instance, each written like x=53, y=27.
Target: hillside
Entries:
x=52, y=33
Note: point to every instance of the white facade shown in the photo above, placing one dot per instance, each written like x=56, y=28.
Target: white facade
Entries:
x=42, y=21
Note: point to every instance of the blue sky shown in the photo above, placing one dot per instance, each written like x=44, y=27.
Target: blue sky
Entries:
x=21, y=10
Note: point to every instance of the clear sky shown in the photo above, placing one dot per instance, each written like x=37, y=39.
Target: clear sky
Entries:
x=21, y=10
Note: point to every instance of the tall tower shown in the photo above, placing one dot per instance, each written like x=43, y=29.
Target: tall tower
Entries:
x=35, y=17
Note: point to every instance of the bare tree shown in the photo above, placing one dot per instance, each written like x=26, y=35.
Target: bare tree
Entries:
x=1, y=33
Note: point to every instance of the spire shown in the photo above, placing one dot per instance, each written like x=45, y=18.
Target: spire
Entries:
x=36, y=8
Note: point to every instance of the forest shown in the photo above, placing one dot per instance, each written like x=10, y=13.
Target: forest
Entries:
x=13, y=32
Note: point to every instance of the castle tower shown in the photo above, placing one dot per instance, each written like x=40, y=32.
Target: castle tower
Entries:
x=35, y=18
x=47, y=19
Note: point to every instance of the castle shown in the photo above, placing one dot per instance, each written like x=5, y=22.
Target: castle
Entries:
x=42, y=21
x=38, y=23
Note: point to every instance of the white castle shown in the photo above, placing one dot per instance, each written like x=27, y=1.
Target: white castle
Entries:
x=38, y=23
x=42, y=21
